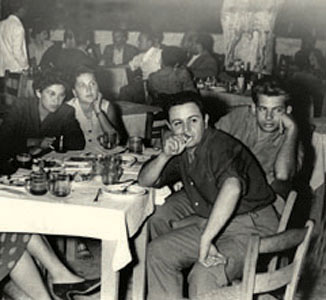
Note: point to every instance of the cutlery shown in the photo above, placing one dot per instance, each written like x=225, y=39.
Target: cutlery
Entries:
x=99, y=192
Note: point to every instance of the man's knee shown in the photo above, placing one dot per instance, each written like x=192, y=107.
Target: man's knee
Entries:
x=161, y=251
x=202, y=279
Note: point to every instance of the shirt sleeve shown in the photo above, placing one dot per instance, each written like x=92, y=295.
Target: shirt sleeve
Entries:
x=187, y=82
x=231, y=163
x=19, y=46
x=224, y=123
x=170, y=174
x=135, y=63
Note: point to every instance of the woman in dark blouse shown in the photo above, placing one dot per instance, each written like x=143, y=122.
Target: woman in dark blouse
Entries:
x=33, y=125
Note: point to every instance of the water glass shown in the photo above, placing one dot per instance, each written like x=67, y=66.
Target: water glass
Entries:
x=135, y=144
x=60, y=184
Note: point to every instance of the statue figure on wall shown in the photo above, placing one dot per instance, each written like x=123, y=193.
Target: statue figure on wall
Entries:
x=248, y=32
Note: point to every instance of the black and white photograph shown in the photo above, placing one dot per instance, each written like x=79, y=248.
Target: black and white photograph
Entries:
x=162, y=149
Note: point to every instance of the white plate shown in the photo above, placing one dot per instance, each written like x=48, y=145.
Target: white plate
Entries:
x=218, y=88
x=127, y=159
x=119, y=190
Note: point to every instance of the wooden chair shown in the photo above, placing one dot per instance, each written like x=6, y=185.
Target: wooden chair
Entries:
x=274, y=278
x=156, y=123
x=287, y=210
x=14, y=86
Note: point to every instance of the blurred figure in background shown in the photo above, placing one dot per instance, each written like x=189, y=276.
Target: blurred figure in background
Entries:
x=202, y=64
x=118, y=53
x=173, y=77
x=301, y=58
x=145, y=63
x=74, y=52
x=39, y=43
x=187, y=43
x=13, y=51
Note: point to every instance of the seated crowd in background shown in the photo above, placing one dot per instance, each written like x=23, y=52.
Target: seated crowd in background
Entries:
x=38, y=44
x=172, y=78
x=120, y=52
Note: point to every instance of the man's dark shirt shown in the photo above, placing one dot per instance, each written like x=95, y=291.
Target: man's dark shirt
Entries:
x=23, y=122
x=218, y=157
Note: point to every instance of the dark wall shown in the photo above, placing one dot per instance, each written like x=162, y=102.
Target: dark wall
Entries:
x=295, y=18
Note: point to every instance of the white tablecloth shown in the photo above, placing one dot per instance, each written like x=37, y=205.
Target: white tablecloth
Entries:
x=77, y=215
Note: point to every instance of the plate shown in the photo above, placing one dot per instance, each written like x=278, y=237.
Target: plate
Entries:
x=218, y=88
x=120, y=190
x=127, y=160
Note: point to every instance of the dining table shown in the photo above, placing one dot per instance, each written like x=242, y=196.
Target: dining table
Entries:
x=229, y=99
x=113, y=220
x=135, y=116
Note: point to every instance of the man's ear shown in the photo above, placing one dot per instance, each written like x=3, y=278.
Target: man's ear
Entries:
x=289, y=109
x=206, y=119
x=168, y=124
x=253, y=108
x=38, y=93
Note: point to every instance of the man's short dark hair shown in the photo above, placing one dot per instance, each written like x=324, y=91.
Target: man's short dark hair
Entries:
x=206, y=41
x=47, y=78
x=121, y=30
x=183, y=98
x=270, y=86
x=79, y=71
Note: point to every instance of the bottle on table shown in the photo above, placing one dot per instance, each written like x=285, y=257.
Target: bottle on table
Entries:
x=241, y=80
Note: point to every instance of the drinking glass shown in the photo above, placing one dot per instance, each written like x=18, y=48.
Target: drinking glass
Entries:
x=60, y=184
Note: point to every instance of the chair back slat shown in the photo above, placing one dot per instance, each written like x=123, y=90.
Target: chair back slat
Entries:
x=271, y=281
x=282, y=241
x=299, y=260
x=288, y=275
x=287, y=210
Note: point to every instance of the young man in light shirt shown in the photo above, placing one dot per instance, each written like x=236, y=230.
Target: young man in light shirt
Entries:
x=147, y=62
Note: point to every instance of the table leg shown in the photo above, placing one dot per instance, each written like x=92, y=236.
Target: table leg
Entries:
x=109, y=278
x=138, y=287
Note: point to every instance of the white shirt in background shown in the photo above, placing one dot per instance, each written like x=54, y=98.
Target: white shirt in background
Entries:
x=117, y=56
x=37, y=51
x=13, y=53
x=148, y=62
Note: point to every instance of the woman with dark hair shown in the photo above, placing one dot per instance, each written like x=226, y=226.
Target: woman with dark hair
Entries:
x=33, y=125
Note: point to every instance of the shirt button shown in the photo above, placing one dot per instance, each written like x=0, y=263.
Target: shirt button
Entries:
x=90, y=140
x=196, y=203
x=90, y=131
x=191, y=183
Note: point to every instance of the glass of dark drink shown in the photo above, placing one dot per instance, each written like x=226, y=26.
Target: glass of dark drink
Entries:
x=24, y=160
x=37, y=184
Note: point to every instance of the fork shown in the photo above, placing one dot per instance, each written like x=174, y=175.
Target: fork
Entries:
x=99, y=192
